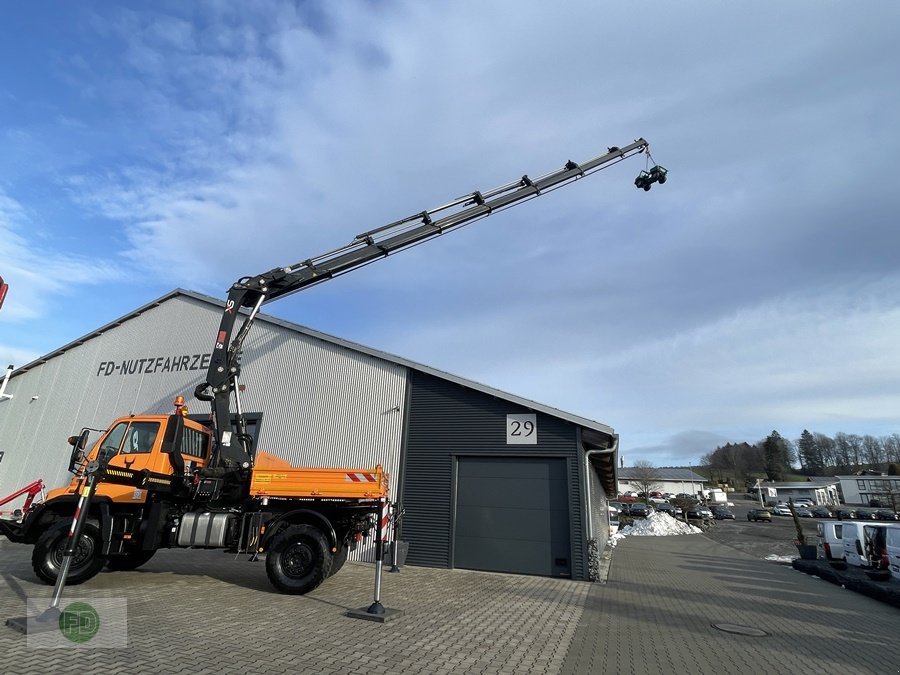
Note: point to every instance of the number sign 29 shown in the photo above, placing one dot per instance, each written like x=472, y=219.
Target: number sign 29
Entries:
x=521, y=429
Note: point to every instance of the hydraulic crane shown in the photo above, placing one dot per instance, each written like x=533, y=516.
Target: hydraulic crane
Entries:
x=169, y=481
x=253, y=292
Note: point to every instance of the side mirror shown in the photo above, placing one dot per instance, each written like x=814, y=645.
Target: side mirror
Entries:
x=78, y=443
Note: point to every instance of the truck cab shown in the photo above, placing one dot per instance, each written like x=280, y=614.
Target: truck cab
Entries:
x=158, y=446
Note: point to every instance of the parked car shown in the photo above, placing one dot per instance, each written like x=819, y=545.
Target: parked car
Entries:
x=693, y=513
x=666, y=507
x=865, y=514
x=844, y=514
x=821, y=512
x=722, y=513
x=639, y=510
x=757, y=515
x=886, y=514
x=804, y=501
x=781, y=510
x=803, y=512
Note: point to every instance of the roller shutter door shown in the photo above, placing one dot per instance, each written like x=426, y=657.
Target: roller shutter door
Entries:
x=512, y=516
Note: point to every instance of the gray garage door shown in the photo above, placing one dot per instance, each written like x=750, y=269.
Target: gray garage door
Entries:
x=512, y=516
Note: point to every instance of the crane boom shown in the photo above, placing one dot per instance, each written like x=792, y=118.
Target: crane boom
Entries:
x=253, y=292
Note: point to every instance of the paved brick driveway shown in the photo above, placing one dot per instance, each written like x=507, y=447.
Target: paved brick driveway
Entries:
x=203, y=612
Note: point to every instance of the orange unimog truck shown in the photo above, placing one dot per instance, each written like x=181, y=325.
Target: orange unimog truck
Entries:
x=157, y=490
x=170, y=481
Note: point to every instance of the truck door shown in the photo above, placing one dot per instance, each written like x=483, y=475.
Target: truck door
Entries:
x=131, y=445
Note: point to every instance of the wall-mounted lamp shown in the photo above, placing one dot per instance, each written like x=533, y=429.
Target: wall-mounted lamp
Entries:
x=3, y=394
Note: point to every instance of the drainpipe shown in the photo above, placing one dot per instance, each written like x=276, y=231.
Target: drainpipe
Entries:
x=587, y=474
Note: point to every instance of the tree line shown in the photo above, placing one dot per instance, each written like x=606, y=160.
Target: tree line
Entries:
x=815, y=454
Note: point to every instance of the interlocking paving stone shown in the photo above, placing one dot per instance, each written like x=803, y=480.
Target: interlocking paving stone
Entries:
x=205, y=612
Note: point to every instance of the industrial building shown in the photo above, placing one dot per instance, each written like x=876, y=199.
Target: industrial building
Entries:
x=666, y=479
x=488, y=480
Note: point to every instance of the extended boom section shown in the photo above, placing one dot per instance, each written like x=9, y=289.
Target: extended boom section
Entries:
x=232, y=448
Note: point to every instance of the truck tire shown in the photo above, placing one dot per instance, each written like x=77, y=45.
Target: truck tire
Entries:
x=298, y=559
x=129, y=561
x=46, y=559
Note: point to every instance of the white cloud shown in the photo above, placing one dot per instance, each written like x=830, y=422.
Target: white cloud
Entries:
x=35, y=272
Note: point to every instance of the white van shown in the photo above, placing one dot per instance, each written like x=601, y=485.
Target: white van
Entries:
x=852, y=538
x=865, y=545
x=830, y=544
x=892, y=543
x=875, y=544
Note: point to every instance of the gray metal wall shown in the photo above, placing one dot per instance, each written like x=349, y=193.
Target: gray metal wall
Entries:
x=599, y=516
x=448, y=420
x=323, y=404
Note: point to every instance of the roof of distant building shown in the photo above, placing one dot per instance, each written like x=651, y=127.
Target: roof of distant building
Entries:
x=667, y=474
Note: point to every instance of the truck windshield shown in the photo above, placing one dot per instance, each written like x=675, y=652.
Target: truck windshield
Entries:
x=113, y=440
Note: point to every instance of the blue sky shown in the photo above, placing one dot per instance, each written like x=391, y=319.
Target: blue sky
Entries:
x=149, y=146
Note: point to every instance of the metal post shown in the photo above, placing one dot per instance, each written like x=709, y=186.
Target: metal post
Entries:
x=376, y=607
x=395, y=516
x=376, y=611
x=81, y=513
x=49, y=618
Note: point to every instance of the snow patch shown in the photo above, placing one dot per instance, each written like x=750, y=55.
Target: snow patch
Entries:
x=657, y=524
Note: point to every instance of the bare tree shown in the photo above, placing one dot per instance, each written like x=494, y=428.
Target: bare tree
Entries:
x=646, y=477
x=891, y=445
x=828, y=449
x=873, y=451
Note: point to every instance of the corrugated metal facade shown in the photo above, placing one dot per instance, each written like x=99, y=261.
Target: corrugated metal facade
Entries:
x=599, y=530
x=323, y=404
x=447, y=420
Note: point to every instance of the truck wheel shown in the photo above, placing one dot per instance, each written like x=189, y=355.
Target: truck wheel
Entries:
x=298, y=559
x=338, y=561
x=129, y=561
x=47, y=557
